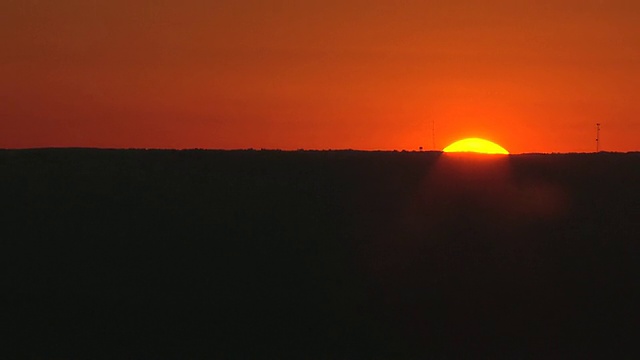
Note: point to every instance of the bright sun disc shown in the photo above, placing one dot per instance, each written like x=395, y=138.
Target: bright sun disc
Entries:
x=475, y=145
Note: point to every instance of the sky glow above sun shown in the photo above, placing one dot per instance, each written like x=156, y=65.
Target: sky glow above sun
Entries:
x=320, y=74
x=475, y=145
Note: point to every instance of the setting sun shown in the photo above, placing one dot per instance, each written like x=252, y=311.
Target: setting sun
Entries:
x=475, y=145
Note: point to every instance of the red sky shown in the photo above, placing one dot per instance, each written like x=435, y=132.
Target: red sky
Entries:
x=533, y=76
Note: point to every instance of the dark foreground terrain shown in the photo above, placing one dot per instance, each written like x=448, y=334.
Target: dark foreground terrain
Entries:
x=266, y=254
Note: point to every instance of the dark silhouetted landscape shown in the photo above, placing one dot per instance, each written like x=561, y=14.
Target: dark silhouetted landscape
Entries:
x=146, y=254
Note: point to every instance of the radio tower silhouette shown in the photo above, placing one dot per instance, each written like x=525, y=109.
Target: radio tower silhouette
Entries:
x=433, y=133
x=598, y=137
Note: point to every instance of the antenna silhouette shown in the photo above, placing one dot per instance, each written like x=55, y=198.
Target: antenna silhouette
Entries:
x=597, y=137
x=433, y=133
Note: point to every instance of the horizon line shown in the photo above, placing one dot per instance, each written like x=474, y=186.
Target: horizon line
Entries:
x=292, y=150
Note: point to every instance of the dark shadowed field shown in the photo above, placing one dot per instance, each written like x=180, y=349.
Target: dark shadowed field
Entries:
x=340, y=254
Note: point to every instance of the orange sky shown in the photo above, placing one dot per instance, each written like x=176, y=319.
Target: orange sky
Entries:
x=533, y=76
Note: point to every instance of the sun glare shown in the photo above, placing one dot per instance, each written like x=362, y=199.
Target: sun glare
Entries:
x=475, y=145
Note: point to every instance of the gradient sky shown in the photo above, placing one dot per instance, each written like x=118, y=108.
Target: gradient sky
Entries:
x=533, y=76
